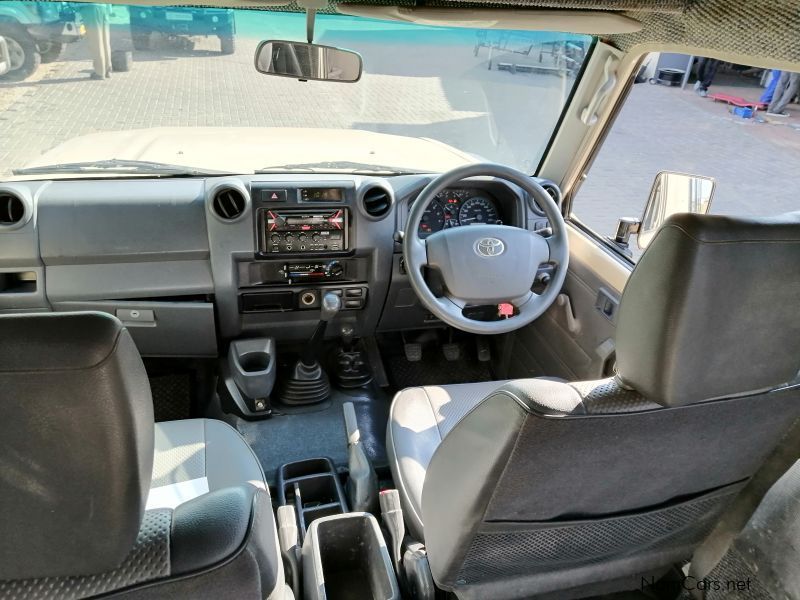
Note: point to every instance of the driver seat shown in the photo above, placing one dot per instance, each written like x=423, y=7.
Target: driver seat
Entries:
x=552, y=489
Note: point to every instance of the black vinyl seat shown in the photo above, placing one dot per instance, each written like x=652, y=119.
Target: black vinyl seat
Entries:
x=543, y=488
x=97, y=500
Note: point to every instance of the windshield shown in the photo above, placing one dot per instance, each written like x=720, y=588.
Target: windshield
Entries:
x=111, y=87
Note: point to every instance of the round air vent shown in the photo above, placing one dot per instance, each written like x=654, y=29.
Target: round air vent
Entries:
x=229, y=204
x=376, y=201
x=553, y=192
x=12, y=209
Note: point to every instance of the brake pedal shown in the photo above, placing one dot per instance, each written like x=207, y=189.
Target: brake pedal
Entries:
x=452, y=351
x=484, y=349
x=413, y=351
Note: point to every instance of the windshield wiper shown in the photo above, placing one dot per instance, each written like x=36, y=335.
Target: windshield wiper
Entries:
x=115, y=165
x=353, y=168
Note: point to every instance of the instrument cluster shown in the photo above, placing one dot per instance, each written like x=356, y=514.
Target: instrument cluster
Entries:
x=457, y=207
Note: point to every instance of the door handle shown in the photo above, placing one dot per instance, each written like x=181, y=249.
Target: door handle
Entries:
x=573, y=325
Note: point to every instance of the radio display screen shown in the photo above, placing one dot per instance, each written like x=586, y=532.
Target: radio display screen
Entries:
x=284, y=220
x=322, y=194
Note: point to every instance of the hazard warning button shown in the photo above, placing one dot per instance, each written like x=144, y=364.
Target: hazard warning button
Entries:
x=273, y=195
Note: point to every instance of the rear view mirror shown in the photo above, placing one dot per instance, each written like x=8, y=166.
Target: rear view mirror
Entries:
x=308, y=61
x=674, y=193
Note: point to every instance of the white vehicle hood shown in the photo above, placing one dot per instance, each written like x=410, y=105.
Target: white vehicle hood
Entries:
x=248, y=149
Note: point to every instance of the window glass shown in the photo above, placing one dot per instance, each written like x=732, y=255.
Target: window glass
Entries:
x=755, y=160
x=464, y=94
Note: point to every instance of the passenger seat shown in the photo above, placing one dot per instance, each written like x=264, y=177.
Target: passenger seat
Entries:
x=97, y=500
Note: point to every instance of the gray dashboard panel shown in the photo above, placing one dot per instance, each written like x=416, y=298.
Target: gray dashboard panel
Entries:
x=19, y=257
x=127, y=280
x=107, y=239
x=102, y=221
x=162, y=328
x=154, y=245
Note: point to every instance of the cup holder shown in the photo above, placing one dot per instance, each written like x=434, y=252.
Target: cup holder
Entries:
x=254, y=362
x=301, y=468
x=251, y=364
x=313, y=488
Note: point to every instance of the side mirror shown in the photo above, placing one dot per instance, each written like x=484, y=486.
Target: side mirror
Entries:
x=671, y=193
x=308, y=62
x=674, y=193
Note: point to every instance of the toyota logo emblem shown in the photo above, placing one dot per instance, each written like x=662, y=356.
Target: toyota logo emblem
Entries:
x=489, y=247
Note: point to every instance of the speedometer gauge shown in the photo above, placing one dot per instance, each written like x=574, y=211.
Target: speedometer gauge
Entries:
x=432, y=219
x=478, y=211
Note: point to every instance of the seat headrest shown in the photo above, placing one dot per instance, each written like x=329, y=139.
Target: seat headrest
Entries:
x=712, y=309
x=76, y=444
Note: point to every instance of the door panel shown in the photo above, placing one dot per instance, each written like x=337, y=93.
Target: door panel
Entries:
x=574, y=339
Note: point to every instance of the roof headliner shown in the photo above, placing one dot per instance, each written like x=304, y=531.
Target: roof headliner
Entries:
x=759, y=32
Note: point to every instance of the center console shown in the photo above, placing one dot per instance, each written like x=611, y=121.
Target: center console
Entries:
x=332, y=544
x=304, y=249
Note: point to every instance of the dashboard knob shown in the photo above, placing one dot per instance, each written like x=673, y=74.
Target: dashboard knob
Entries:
x=301, y=238
x=275, y=238
x=316, y=237
x=335, y=269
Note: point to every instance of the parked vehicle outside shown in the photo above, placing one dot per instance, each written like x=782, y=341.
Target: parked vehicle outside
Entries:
x=182, y=21
x=35, y=33
x=5, y=60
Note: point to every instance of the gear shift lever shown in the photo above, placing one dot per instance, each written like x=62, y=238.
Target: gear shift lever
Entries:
x=330, y=306
x=308, y=382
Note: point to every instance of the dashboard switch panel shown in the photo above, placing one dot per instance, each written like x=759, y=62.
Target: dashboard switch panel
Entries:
x=354, y=298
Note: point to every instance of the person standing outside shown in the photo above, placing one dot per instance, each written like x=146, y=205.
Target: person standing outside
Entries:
x=787, y=88
x=98, y=35
x=706, y=71
x=769, y=93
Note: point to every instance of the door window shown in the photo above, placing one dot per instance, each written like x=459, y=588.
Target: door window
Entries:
x=697, y=129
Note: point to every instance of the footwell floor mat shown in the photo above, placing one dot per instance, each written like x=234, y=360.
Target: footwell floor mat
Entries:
x=433, y=370
x=172, y=396
x=298, y=436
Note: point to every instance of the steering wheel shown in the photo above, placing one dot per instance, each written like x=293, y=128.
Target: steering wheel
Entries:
x=486, y=264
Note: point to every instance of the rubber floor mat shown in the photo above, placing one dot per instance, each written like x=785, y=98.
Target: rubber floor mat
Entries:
x=432, y=370
x=172, y=396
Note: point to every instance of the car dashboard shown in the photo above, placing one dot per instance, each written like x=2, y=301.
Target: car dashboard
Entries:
x=191, y=263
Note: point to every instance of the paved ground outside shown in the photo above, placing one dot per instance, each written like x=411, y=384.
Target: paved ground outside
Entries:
x=429, y=85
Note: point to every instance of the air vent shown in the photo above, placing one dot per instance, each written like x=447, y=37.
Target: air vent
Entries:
x=553, y=192
x=229, y=204
x=12, y=209
x=377, y=201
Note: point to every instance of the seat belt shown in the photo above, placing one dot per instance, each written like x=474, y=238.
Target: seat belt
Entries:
x=736, y=516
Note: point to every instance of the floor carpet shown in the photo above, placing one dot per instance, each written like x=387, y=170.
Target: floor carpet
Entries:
x=298, y=436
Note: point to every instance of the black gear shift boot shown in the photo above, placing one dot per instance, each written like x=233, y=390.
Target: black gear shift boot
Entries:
x=307, y=382
x=352, y=369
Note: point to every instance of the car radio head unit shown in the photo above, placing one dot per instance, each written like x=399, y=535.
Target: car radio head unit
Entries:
x=292, y=231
